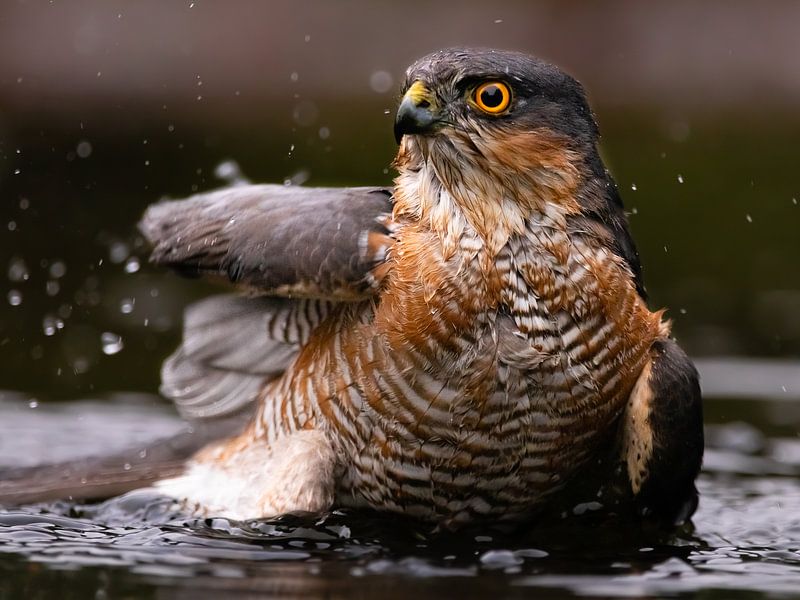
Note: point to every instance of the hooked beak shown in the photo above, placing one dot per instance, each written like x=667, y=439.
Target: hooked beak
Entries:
x=417, y=112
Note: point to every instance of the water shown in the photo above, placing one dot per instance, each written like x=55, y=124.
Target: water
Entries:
x=744, y=541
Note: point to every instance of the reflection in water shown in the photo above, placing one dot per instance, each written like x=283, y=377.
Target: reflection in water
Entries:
x=746, y=535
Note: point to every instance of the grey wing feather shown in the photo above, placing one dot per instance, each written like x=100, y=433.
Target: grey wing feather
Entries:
x=231, y=347
x=292, y=241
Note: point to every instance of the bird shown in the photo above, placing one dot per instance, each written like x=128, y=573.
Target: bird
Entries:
x=464, y=346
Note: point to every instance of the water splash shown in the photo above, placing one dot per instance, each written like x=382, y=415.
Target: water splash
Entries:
x=111, y=343
x=14, y=297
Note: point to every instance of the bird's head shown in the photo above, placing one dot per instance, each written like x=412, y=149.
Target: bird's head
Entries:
x=490, y=139
x=495, y=124
x=476, y=92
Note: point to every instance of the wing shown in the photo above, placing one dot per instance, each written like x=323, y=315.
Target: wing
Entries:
x=231, y=347
x=662, y=435
x=285, y=241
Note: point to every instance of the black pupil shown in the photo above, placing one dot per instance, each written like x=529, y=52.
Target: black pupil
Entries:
x=492, y=96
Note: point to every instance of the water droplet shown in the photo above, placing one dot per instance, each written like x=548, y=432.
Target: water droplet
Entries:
x=14, y=297
x=307, y=38
x=12, y=225
x=305, y=113
x=52, y=288
x=748, y=218
x=83, y=149
x=132, y=265
x=80, y=365
x=633, y=187
x=111, y=342
x=498, y=21
x=127, y=466
x=127, y=305
x=680, y=178
x=794, y=201
x=24, y=203
x=33, y=403
x=50, y=325
x=17, y=171
x=325, y=133
x=18, y=270
x=381, y=82
x=118, y=252
x=683, y=311
x=294, y=77
x=500, y=559
x=299, y=178
x=58, y=269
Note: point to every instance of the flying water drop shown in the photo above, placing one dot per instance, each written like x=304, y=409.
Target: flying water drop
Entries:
x=111, y=342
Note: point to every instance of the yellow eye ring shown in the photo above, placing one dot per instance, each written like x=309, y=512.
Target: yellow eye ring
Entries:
x=492, y=97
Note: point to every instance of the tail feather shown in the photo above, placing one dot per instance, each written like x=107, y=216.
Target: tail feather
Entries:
x=98, y=478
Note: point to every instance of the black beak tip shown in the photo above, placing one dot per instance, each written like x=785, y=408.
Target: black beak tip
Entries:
x=412, y=118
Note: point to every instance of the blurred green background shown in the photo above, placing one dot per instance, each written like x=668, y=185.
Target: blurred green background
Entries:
x=108, y=106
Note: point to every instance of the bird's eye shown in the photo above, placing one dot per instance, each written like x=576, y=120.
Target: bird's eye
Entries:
x=492, y=97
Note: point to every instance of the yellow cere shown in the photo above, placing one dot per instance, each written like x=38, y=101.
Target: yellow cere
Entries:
x=492, y=97
x=418, y=93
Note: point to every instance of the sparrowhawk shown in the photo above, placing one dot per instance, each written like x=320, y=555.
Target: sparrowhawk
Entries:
x=464, y=345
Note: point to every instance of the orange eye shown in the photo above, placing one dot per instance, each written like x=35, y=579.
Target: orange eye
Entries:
x=492, y=97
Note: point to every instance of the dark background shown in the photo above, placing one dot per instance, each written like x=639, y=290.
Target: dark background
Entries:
x=108, y=106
